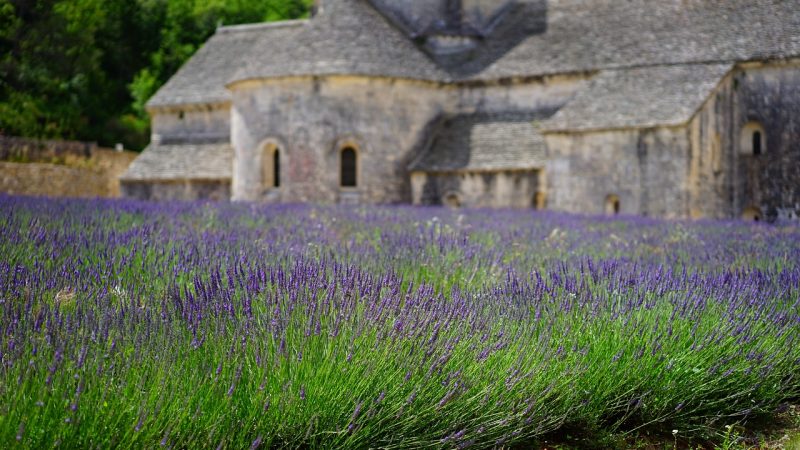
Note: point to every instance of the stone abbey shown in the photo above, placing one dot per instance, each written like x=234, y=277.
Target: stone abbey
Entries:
x=661, y=108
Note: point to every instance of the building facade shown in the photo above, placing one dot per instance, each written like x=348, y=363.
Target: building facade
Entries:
x=663, y=108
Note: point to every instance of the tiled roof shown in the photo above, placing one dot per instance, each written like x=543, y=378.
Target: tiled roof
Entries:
x=182, y=162
x=535, y=38
x=588, y=35
x=348, y=37
x=202, y=79
x=639, y=98
x=486, y=142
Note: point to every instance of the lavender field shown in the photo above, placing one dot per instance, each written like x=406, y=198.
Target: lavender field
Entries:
x=127, y=324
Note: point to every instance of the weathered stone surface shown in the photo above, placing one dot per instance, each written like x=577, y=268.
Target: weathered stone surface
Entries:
x=489, y=189
x=653, y=107
x=18, y=149
x=192, y=124
x=639, y=98
x=182, y=162
x=727, y=178
x=646, y=169
x=486, y=142
x=97, y=176
x=212, y=190
x=312, y=120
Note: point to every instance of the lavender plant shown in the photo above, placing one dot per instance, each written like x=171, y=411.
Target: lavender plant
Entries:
x=192, y=325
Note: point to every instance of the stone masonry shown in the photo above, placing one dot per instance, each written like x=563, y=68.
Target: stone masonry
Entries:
x=676, y=108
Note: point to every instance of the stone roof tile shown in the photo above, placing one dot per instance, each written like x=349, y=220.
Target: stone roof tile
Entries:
x=349, y=37
x=486, y=142
x=203, y=77
x=538, y=38
x=639, y=98
x=182, y=162
x=588, y=35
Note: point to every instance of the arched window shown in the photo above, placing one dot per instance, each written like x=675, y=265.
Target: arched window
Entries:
x=756, y=143
x=349, y=169
x=612, y=205
x=276, y=168
x=270, y=167
x=539, y=201
x=753, y=140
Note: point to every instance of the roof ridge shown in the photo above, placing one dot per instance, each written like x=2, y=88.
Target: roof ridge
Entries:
x=261, y=26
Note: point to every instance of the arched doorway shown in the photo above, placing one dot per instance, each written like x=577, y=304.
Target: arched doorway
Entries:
x=613, y=205
x=752, y=214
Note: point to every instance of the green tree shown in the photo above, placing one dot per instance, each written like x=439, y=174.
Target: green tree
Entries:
x=187, y=24
x=83, y=69
x=50, y=66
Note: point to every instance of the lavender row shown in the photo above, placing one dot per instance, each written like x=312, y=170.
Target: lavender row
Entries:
x=204, y=325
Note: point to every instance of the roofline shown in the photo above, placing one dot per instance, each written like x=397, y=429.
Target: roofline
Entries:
x=572, y=73
x=175, y=107
x=467, y=170
x=722, y=80
x=568, y=130
x=477, y=82
x=738, y=66
x=616, y=128
x=470, y=82
x=261, y=26
x=261, y=79
x=449, y=83
x=171, y=180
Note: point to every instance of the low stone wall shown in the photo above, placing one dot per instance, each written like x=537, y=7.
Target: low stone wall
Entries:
x=112, y=164
x=51, y=180
x=74, y=176
x=17, y=149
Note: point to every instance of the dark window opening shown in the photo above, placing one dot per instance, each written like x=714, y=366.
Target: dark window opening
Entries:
x=276, y=168
x=757, y=143
x=348, y=173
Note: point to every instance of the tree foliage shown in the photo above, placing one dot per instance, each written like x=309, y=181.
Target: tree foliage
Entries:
x=84, y=69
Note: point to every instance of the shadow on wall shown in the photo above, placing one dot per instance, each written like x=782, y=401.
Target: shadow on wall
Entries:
x=466, y=36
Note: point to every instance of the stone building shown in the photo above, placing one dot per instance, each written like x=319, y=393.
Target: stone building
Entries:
x=664, y=108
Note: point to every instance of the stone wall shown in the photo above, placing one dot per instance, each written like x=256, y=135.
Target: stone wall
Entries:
x=212, y=190
x=388, y=121
x=712, y=156
x=51, y=180
x=696, y=170
x=645, y=169
x=704, y=170
x=726, y=179
x=191, y=124
x=511, y=189
x=548, y=93
x=311, y=120
x=769, y=96
x=74, y=176
x=16, y=149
